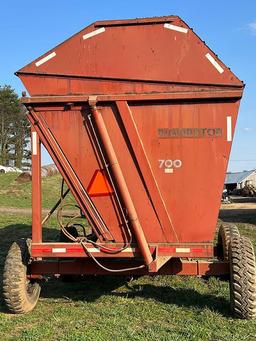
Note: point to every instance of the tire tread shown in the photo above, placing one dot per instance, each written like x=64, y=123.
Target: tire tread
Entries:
x=242, y=277
x=16, y=296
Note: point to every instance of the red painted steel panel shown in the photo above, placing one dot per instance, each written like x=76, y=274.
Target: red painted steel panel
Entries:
x=71, y=130
x=152, y=229
x=66, y=250
x=174, y=267
x=199, y=174
x=192, y=187
x=143, y=51
x=36, y=187
x=169, y=106
x=57, y=85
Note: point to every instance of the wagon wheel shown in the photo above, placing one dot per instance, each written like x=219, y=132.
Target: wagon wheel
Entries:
x=20, y=293
x=242, y=278
x=226, y=232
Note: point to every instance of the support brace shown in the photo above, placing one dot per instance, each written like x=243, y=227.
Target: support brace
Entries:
x=121, y=183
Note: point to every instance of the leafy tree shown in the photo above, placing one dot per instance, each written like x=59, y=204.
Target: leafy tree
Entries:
x=14, y=129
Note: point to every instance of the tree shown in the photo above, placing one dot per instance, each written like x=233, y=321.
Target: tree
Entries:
x=14, y=129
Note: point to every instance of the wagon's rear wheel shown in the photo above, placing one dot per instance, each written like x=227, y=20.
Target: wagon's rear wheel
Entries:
x=226, y=232
x=20, y=293
x=242, y=278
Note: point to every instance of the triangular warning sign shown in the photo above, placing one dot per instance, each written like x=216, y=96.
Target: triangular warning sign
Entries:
x=99, y=185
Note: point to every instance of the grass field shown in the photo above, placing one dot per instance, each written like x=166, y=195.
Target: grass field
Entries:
x=14, y=194
x=121, y=308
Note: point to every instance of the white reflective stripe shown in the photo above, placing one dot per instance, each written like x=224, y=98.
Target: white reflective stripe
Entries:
x=34, y=143
x=183, y=250
x=168, y=170
x=229, y=128
x=129, y=249
x=92, y=249
x=94, y=33
x=176, y=28
x=59, y=250
x=45, y=59
x=214, y=63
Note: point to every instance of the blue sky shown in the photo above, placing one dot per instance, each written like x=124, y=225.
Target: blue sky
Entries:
x=30, y=28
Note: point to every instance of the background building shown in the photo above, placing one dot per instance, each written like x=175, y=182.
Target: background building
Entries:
x=240, y=179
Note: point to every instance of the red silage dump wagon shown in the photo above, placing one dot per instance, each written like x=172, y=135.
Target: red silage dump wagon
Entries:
x=139, y=117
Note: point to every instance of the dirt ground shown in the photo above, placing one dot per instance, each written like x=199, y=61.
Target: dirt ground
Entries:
x=240, y=210
x=27, y=211
x=238, y=202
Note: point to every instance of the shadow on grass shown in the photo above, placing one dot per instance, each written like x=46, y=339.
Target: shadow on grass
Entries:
x=93, y=287
x=244, y=216
x=243, y=200
x=90, y=288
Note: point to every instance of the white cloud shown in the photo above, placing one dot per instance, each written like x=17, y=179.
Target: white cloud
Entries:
x=252, y=27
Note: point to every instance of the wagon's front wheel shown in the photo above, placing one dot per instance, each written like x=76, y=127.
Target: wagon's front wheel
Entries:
x=20, y=293
x=242, y=278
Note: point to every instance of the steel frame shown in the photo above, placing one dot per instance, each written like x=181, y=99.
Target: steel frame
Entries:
x=176, y=258
x=175, y=266
x=229, y=92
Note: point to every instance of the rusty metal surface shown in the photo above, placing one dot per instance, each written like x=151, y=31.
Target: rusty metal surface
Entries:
x=65, y=250
x=169, y=106
x=192, y=94
x=177, y=189
x=114, y=165
x=173, y=267
x=137, y=21
x=39, y=85
x=191, y=189
x=138, y=50
x=65, y=165
x=36, y=187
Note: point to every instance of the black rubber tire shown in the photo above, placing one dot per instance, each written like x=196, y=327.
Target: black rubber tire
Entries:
x=226, y=232
x=20, y=294
x=242, y=278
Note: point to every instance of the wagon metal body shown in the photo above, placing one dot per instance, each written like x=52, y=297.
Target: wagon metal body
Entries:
x=139, y=117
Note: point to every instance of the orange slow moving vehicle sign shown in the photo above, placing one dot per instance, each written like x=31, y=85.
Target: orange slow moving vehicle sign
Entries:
x=99, y=185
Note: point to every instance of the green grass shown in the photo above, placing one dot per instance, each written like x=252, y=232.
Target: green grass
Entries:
x=14, y=194
x=116, y=308
x=121, y=308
